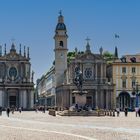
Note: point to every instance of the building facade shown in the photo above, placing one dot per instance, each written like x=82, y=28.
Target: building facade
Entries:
x=126, y=77
x=98, y=93
x=16, y=79
x=46, y=88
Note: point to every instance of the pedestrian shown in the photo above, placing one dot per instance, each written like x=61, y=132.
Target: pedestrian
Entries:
x=19, y=109
x=8, y=111
x=136, y=110
x=36, y=109
x=118, y=111
x=76, y=107
x=44, y=109
x=126, y=111
x=0, y=110
x=139, y=112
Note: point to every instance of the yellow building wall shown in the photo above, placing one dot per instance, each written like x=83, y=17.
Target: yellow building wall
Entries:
x=117, y=74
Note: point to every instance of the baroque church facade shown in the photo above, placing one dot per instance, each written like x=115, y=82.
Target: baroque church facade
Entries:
x=16, y=80
x=97, y=91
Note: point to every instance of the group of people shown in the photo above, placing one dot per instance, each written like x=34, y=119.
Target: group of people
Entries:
x=40, y=108
x=8, y=110
x=137, y=110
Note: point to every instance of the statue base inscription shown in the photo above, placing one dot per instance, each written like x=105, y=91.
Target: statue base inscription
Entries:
x=80, y=97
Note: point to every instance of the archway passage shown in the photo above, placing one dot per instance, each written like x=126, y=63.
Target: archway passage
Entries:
x=124, y=100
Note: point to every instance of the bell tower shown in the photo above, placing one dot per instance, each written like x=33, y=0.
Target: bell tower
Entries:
x=60, y=49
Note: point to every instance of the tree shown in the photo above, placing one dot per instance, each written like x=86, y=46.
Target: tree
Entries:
x=70, y=56
x=108, y=56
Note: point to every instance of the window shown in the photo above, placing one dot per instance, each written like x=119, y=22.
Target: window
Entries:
x=61, y=43
x=124, y=83
x=13, y=72
x=133, y=69
x=88, y=73
x=73, y=100
x=133, y=83
x=124, y=70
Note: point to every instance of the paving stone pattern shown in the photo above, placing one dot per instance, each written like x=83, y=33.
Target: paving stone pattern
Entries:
x=41, y=126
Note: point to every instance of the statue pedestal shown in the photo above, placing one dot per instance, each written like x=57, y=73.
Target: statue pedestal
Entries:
x=80, y=98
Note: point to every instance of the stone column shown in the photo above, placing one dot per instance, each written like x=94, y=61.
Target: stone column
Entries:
x=28, y=99
x=96, y=72
x=99, y=98
x=7, y=98
x=1, y=97
x=102, y=99
x=17, y=100
x=20, y=99
x=24, y=99
x=107, y=101
x=101, y=73
x=112, y=100
x=96, y=97
x=31, y=99
x=104, y=71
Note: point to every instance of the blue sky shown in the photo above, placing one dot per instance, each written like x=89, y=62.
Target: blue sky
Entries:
x=32, y=23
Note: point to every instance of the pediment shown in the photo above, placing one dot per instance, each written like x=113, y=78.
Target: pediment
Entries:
x=90, y=56
x=14, y=56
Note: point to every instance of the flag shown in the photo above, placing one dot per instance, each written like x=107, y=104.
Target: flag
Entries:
x=117, y=36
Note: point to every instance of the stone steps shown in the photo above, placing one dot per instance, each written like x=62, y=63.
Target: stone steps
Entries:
x=81, y=113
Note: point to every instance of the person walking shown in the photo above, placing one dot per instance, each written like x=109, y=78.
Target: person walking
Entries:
x=139, y=112
x=136, y=110
x=0, y=110
x=20, y=109
x=118, y=112
x=126, y=111
x=8, y=111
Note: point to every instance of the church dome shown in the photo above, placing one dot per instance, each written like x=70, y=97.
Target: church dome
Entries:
x=60, y=26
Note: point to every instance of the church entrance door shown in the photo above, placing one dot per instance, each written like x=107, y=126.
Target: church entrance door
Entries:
x=13, y=97
x=89, y=101
x=12, y=101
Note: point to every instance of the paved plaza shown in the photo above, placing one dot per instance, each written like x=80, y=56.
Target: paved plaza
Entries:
x=41, y=126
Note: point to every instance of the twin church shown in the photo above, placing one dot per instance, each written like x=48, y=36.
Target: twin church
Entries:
x=96, y=90
x=16, y=79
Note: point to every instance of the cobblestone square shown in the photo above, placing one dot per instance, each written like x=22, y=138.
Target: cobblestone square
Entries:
x=41, y=126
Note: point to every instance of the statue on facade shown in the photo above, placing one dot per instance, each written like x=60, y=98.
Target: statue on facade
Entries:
x=32, y=76
x=78, y=80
